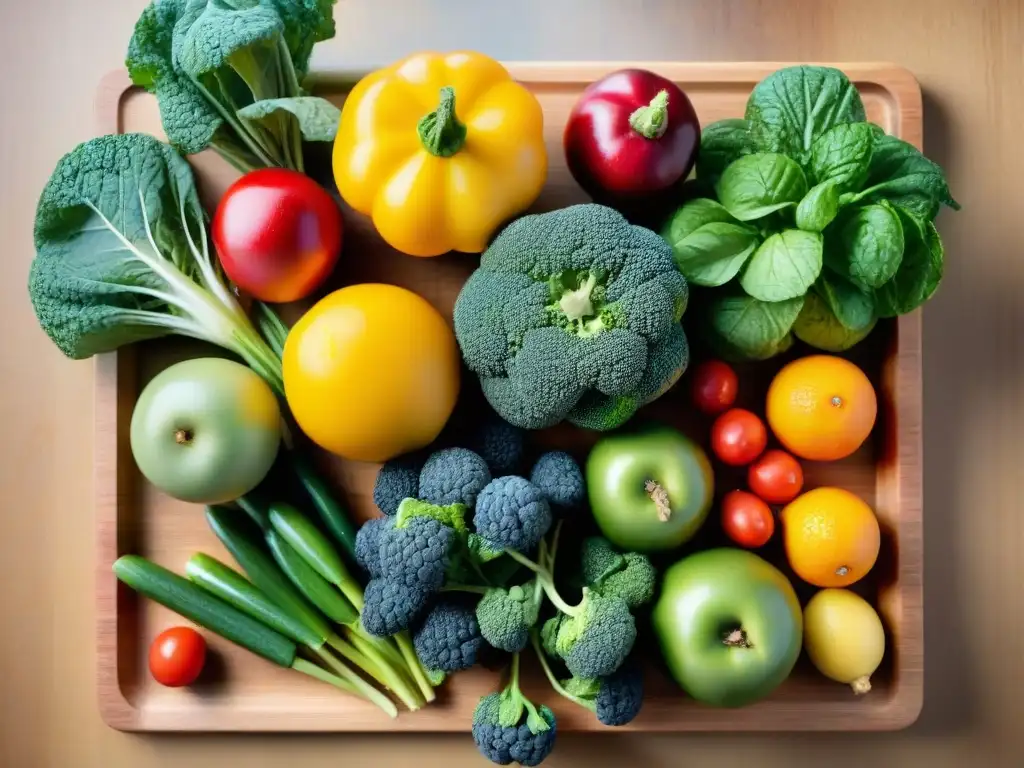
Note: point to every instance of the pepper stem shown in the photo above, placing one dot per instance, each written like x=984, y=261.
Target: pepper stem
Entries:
x=660, y=498
x=651, y=121
x=440, y=131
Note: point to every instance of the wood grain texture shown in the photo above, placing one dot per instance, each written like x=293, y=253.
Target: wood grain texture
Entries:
x=248, y=694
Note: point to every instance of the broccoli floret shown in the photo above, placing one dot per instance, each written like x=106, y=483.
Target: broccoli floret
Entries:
x=452, y=515
x=508, y=728
x=368, y=545
x=391, y=606
x=507, y=615
x=416, y=554
x=630, y=575
x=449, y=638
x=512, y=513
x=573, y=315
x=549, y=634
x=397, y=479
x=501, y=445
x=596, y=636
x=453, y=476
x=560, y=479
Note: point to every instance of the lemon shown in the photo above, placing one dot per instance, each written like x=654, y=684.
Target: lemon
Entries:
x=844, y=637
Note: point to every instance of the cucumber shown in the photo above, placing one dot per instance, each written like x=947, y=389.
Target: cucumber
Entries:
x=262, y=570
x=233, y=588
x=185, y=598
x=330, y=511
x=314, y=586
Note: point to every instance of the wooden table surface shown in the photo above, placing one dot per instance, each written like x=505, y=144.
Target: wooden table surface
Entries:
x=969, y=61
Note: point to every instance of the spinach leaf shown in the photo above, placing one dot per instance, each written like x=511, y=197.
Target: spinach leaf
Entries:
x=870, y=246
x=691, y=216
x=843, y=154
x=316, y=118
x=784, y=266
x=756, y=185
x=743, y=327
x=852, y=306
x=721, y=143
x=713, y=254
x=792, y=107
x=819, y=206
x=919, y=273
x=900, y=174
x=818, y=326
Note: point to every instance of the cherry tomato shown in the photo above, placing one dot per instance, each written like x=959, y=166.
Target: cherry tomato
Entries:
x=714, y=386
x=738, y=437
x=278, y=234
x=746, y=519
x=176, y=656
x=776, y=477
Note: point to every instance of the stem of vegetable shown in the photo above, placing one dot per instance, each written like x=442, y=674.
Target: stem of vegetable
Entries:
x=348, y=685
x=547, y=582
x=235, y=160
x=412, y=661
x=366, y=690
x=292, y=88
x=233, y=121
x=651, y=121
x=274, y=331
x=473, y=590
x=440, y=131
x=659, y=496
x=550, y=675
x=378, y=668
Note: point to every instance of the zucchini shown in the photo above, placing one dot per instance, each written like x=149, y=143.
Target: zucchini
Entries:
x=185, y=598
x=331, y=513
x=262, y=571
x=233, y=588
x=314, y=586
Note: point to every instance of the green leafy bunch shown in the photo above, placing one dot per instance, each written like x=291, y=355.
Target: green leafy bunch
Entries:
x=228, y=75
x=816, y=223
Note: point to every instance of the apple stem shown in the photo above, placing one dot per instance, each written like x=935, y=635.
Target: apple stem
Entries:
x=736, y=639
x=182, y=436
x=651, y=121
x=660, y=498
x=861, y=685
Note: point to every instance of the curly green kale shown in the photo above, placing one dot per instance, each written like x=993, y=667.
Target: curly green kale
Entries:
x=573, y=315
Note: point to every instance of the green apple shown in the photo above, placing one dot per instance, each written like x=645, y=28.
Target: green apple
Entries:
x=206, y=430
x=729, y=625
x=649, y=490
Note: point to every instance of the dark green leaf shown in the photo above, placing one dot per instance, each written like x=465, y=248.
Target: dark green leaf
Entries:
x=209, y=40
x=714, y=254
x=900, y=174
x=756, y=185
x=784, y=266
x=819, y=206
x=853, y=306
x=721, y=143
x=792, y=107
x=818, y=326
x=317, y=118
x=306, y=22
x=842, y=155
x=870, y=246
x=743, y=327
x=920, y=271
x=692, y=216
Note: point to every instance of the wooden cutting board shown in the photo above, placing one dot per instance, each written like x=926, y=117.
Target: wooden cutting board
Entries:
x=240, y=692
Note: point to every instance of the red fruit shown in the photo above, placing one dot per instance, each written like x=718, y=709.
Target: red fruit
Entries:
x=714, y=386
x=278, y=234
x=738, y=437
x=177, y=656
x=746, y=519
x=776, y=477
x=631, y=135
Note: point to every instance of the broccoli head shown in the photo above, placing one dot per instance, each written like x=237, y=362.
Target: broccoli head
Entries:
x=573, y=315
x=597, y=636
x=629, y=575
x=391, y=606
x=367, y=548
x=507, y=615
x=416, y=554
x=508, y=728
x=453, y=476
x=499, y=444
x=512, y=513
x=615, y=699
x=398, y=479
x=448, y=639
x=560, y=479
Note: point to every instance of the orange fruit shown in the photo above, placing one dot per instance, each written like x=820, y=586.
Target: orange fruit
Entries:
x=831, y=537
x=821, y=407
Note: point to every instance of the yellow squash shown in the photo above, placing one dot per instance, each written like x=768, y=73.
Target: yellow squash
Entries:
x=440, y=150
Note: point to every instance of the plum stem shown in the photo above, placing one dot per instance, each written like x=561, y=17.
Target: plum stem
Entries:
x=651, y=121
x=660, y=498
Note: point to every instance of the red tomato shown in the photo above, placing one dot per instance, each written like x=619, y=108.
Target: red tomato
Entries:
x=176, y=656
x=278, y=234
x=714, y=386
x=738, y=437
x=746, y=519
x=776, y=477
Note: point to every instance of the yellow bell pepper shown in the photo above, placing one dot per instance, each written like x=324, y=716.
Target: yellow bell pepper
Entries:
x=440, y=150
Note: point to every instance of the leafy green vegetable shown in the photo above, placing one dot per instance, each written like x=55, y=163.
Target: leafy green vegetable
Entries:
x=819, y=206
x=720, y=144
x=692, y=216
x=852, y=306
x=842, y=155
x=784, y=266
x=919, y=274
x=714, y=254
x=759, y=184
x=744, y=327
x=122, y=256
x=870, y=247
x=206, y=60
x=793, y=106
x=818, y=326
x=316, y=118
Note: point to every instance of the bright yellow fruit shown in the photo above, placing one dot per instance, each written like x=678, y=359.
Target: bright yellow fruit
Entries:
x=844, y=637
x=371, y=371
